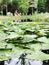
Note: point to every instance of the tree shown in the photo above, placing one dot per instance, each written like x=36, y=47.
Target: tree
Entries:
x=1, y=1
x=47, y=5
x=0, y=5
x=4, y=4
x=32, y=6
x=22, y=5
x=41, y=5
x=11, y=8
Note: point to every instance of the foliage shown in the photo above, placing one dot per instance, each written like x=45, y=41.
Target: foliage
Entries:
x=6, y=2
x=34, y=3
x=41, y=5
x=3, y=5
x=22, y=5
x=19, y=38
x=47, y=5
x=1, y=1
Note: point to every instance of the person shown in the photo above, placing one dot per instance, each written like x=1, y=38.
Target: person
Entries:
x=17, y=13
x=9, y=14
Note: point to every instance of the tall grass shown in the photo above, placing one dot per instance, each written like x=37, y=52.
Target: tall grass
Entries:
x=35, y=17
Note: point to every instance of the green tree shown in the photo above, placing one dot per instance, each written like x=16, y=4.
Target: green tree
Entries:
x=47, y=5
x=22, y=5
x=1, y=1
x=5, y=4
x=41, y=5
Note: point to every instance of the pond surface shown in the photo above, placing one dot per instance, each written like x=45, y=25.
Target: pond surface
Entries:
x=27, y=62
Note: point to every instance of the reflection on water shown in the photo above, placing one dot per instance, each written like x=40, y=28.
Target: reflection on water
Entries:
x=27, y=62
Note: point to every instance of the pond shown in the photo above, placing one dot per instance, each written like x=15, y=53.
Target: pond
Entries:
x=27, y=62
x=16, y=61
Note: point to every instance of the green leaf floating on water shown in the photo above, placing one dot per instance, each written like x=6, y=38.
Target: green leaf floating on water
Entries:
x=28, y=38
x=43, y=39
x=19, y=38
x=38, y=55
x=2, y=35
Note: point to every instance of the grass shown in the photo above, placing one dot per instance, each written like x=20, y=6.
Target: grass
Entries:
x=35, y=17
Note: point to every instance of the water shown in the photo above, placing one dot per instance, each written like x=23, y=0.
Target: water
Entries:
x=27, y=62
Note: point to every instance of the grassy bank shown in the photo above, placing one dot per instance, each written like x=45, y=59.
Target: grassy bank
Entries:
x=34, y=18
